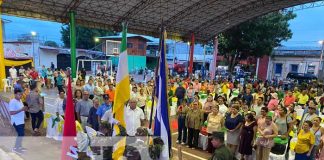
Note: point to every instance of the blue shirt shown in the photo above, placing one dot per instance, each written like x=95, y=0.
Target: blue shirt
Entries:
x=231, y=123
x=102, y=109
x=43, y=72
x=59, y=80
x=89, y=88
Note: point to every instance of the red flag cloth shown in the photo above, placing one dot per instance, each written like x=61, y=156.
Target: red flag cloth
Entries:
x=191, y=52
x=69, y=129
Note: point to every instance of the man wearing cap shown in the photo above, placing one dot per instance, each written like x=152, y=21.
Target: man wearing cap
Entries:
x=104, y=106
x=221, y=151
x=105, y=113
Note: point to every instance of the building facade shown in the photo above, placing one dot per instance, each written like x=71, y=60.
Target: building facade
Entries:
x=295, y=60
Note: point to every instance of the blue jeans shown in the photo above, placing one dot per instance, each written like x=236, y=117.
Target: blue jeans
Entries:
x=182, y=129
x=20, y=129
x=301, y=156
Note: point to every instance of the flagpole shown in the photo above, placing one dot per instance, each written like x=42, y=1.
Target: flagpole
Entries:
x=156, y=77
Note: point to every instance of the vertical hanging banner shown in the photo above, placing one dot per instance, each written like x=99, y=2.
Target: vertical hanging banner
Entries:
x=212, y=66
x=191, y=52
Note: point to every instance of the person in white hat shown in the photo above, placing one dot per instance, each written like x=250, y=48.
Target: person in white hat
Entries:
x=273, y=103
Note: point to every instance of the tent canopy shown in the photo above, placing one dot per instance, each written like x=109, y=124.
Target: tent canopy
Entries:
x=205, y=18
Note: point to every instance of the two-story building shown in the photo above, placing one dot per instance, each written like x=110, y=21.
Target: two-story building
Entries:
x=136, y=50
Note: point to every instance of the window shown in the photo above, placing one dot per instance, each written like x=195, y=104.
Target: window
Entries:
x=129, y=45
x=141, y=46
x=294, y=68
x=278, y=68
x=311, y=69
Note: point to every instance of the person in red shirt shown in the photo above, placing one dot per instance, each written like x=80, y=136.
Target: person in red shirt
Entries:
x=289, y=99
x=33, y=74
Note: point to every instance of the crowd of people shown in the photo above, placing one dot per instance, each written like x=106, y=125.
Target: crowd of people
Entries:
x=255, y=115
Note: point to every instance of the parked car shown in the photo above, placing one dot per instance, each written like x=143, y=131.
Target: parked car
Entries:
x=301, y=77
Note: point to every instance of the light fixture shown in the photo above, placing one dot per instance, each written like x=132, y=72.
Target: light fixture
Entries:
x=33, y=33
x=96, y=39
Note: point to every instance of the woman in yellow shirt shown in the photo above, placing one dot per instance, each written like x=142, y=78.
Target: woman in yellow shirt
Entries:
x=305, y=142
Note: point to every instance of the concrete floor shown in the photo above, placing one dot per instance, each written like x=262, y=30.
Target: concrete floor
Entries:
x=40, y=147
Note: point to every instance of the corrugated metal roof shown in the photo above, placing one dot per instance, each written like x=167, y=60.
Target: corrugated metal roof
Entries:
x=204, y=18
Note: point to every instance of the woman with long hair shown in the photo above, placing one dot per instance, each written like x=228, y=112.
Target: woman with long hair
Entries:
x=283, y=122
x=265, y=141
x=305, y=142
x=248, y=134
x=233, y=123
x=215, y=123
x=35, y=107
x=208, y=106
x=318, y=131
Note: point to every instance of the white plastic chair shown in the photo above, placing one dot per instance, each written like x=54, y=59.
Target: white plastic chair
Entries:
x=7, y=85
x=273, y=156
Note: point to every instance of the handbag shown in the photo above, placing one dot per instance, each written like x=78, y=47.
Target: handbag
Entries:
x=278, y=149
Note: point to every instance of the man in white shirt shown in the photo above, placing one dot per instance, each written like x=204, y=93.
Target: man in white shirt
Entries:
x=134, y=117
x=257, y=107
x=21, y=70
x=59, y=103
x=134, y=93
x=108, y=117
x=17, y=115
x=13, y=72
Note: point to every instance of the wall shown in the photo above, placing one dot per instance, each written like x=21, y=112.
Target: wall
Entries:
x=263, y=67
x=303, y=64
x=134, y=62
x=135, y=47
x=48, y=56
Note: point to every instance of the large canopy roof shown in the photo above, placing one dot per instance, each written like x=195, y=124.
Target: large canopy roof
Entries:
x=205, y=18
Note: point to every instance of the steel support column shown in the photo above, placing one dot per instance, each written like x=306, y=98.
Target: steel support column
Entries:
x=73, y=43
x=2, y=63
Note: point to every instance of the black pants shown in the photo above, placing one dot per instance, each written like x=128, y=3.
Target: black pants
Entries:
x=55, y=81
x=179, y=102
x=182, y=129
x=210, y=147
x=60, y=88
x=193, y=136
x=37, y=119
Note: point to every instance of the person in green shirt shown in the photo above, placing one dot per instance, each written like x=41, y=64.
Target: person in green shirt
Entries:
x=280, y=93
x=221, y=151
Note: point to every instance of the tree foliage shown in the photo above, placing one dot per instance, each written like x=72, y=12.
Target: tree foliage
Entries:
x=51, y=44
x=84, y=36
x=257, y=37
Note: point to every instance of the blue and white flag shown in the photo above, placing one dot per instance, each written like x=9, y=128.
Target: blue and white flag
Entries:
x=161, y=123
